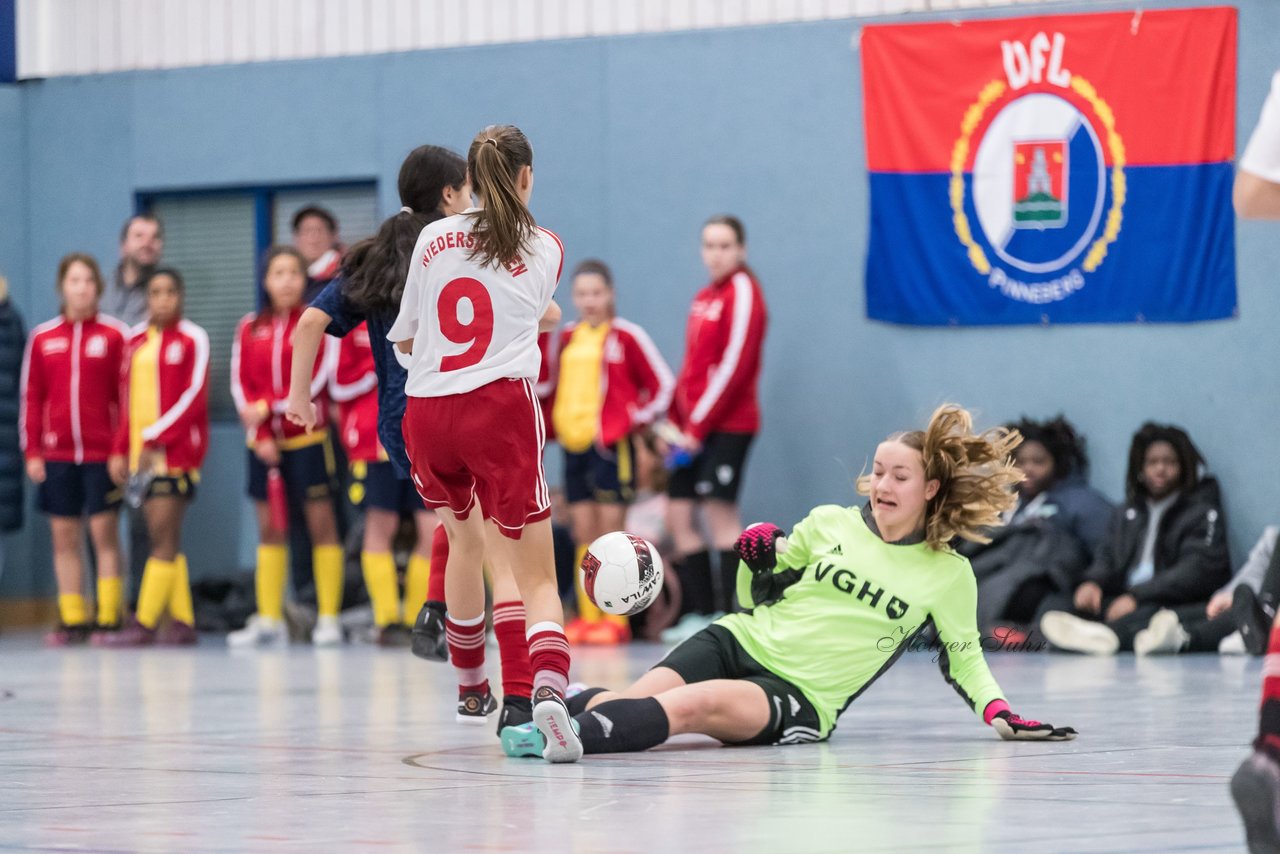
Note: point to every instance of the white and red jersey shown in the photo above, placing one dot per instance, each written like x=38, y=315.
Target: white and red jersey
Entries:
x=71, y=389
x=353, y=385
x=716, y=389
x=472, y=325
x=261, y=357
x=636, y=382
x=178, y=385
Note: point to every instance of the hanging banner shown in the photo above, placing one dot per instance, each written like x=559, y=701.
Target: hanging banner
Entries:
x=1064, y=169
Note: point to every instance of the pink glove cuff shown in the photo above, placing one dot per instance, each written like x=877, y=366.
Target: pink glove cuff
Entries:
x=993, y=708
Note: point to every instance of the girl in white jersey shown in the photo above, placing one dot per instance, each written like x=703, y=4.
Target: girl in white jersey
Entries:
x=478, y=293
x=854, y=588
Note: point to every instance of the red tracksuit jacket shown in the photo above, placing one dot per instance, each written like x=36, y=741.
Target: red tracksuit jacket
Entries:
x=353, y=385
x=182, y=388
x=716, y=389
x=636, y=381
x=71, y=389
x=260, y=361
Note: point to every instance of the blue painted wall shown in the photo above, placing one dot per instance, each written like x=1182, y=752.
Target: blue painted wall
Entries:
x=637, y=141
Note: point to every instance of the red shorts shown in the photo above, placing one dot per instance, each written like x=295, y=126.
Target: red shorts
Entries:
x=483, y=445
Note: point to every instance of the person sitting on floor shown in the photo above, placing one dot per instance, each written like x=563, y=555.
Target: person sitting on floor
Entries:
x=1166, y=548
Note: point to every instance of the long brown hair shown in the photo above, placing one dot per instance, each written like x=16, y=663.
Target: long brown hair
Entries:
x=975, y=473
x=64, y=266
x=504, y=225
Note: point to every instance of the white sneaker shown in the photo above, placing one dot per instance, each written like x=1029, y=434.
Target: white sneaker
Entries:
x=1069, y=632
x=1163, y=635
x=1233, y=644
x=259, y=631
x=328, y=632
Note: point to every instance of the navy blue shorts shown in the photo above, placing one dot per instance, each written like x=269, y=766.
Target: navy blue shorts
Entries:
x=182, y=485
x=308, y=473
x=606, y=477
x=376, y=485
x=77, y=489
x=716, y=472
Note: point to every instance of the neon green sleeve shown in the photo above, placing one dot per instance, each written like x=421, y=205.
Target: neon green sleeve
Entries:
x=962, y=662
x=797, y=556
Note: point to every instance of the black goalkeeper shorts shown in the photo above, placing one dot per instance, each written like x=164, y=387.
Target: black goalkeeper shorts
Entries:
x=714, y=653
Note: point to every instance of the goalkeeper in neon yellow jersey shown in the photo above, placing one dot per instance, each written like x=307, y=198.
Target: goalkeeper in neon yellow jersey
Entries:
x=852, y=590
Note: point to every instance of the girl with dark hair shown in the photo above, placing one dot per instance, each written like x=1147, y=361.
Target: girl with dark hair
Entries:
x=366, y=296
x=479, y=291
x=162, y=441
x=608, y=381
x=716, y=414
x=282, y=452
x=852, y=590
x=70, y=410
x=1049, y=537
x=1166, y=548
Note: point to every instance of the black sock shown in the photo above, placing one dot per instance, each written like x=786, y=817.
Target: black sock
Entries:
x=728, y=580
x=694, y=572
x=623, y=726
x=578, y=702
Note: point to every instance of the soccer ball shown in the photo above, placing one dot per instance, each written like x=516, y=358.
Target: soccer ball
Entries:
x=622, y=573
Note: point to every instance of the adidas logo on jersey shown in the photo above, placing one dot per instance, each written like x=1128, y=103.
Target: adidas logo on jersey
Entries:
x=837, y=550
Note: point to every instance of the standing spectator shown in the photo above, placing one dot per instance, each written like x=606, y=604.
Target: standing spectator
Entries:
x=315, y=236
x=610, y=382
x=1165, y=548
x=717, y=413
x=161, y=443
x=12, y=338
x=141, y=245
x=1256, y=785
x=1050, y=536
x=70, y=409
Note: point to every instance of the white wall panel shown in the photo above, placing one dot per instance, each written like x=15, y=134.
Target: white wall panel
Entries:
x=67, y=37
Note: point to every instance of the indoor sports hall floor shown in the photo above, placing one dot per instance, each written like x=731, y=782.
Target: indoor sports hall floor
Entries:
x=355, y=749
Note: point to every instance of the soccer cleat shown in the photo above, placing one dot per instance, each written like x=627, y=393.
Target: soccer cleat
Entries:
x=551, y=716
x=516, y=711
x=1163, y=635
x=328, y=632
x=178, y=633
x=1251, y=619
x=523, y=740
x=65, y=635
x=1074, y=634
x=428, y=640
x=1256, y=790
x=474, y=707
x=259, y=631
x=134, y=634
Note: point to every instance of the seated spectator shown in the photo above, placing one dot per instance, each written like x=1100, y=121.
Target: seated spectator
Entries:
x=1050, y=536
x=1235, y=621
x=1165, y=548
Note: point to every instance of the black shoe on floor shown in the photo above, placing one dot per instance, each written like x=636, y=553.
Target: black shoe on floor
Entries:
x=1256, y=790
x=1251, y=619
x=428, y=633
x=515, y=711
x=475, y=707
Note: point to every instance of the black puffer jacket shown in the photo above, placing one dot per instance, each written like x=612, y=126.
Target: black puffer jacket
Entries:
x=12, y=470
x=1191, y=559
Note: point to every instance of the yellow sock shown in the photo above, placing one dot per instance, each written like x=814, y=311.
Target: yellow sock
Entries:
x=326, y=564
x=416, y=580
x=71, y=609
x=269, y=581
x=380, y=581
x=157, y=584
x=109, y=599
x=180, y=605
x=587, y=609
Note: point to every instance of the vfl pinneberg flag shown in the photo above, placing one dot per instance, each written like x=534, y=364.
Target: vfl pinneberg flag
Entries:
x=1065, y=169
